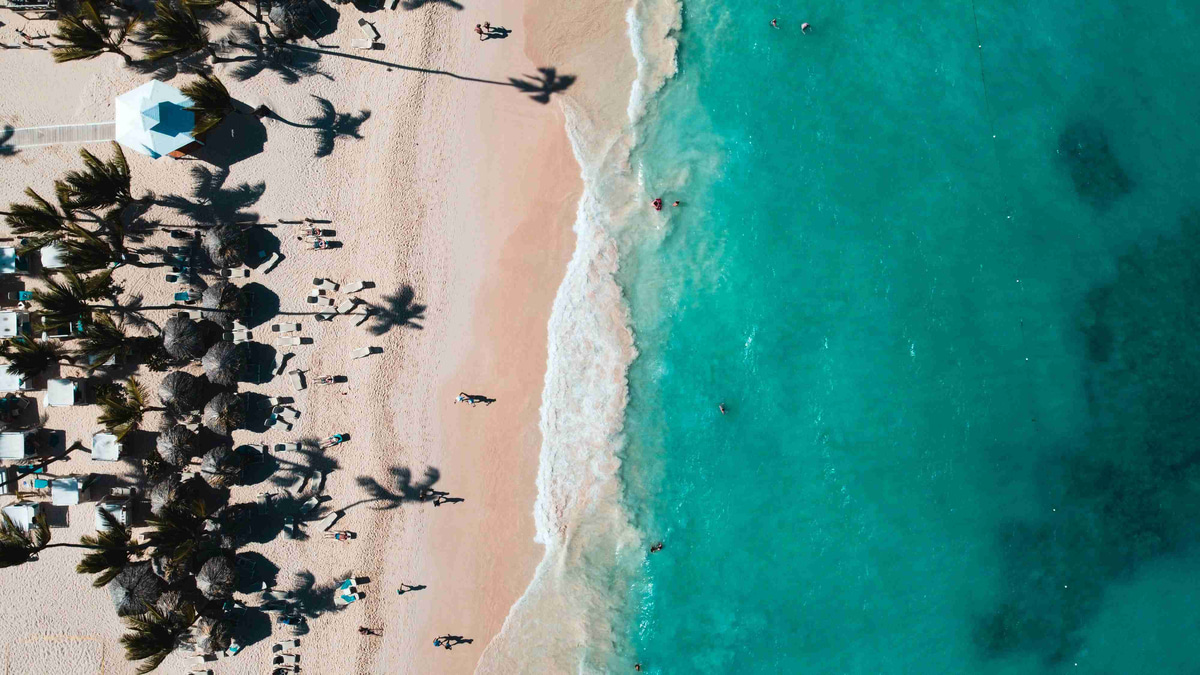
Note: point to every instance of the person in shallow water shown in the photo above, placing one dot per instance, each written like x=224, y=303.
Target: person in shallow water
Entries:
x=657, y=203
x=804, y=27
x=721, y=407
x=774, y=23
x=656, y=548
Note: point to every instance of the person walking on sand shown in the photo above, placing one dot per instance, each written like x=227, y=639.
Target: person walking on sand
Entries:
x=487, y=27
x=479, y=30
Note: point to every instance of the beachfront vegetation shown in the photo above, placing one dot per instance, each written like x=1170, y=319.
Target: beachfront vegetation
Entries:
x=175, y=31
x=100, y=185
x=113, y=548
x=154, y=635
x=124, y=413
x=87, y=35
x=211, y=102
x=30, y=358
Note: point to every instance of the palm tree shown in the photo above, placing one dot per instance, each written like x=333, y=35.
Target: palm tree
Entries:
x=30, y=358
x=153, y=636
x=175, y=31
x=41, y=221
x=18, y=546
x=70, y=300
x=177, y=531
x=100, y=185
x=103, y=340
x=87, y=36
x=210, y=102
x=123, y=416
x=112, y=549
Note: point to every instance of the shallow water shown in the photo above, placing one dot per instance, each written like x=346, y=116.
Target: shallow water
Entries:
x=949, y=296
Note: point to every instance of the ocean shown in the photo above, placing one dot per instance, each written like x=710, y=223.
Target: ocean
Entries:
x=941, y=264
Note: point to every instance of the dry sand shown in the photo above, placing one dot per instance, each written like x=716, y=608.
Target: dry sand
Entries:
x=464, y=191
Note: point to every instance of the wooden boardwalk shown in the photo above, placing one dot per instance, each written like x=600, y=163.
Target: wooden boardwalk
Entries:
x=66, y=133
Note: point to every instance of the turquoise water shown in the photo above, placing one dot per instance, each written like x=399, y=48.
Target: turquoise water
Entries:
x=950, y=297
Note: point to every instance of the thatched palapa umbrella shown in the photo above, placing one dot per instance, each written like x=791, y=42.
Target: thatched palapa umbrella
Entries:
x=212, y=635
x=288, y=17
x=182, y=338
x=224, y=362
x=226, y=245
x=170, y=603
x=177, y=445
x=170, y=570
x=221, y=466
x=224, y=413
x=217, y=578
x=223, y=302
x=135, y=588
x=181, y=391
x=171, y=490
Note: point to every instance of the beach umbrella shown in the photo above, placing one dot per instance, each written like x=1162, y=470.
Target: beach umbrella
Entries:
x=177, y=445
x=289, y=17
x=154, y=119
x=217, y=578
x=221, y=466
x=166, y=491
x=235, y=522
x=213, y=635
x=224, y=413
x=223, y=362
x=227, y=301
x=171, y=603
x=226, y=245
x=169, y=569
x=182, y=339
x=181, y=391
x=134, y=588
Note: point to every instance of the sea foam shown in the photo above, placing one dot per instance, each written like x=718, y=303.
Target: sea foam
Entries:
x=568, y=617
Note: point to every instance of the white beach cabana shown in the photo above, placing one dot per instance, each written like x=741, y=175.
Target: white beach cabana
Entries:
x=23, y=514
x=10, y=381
x=154, y=120
x=70, y=490
x=60, y=392
x=8, y=260
x=53, y=255
x=106, y=447
x=10, y=323
x=12, y=444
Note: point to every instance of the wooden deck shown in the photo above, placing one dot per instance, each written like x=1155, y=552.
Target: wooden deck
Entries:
x=29, y=137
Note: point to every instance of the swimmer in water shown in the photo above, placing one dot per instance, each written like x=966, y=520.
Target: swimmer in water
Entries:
x=657, y=204
x=774, y=23
x=675, y=203
x=656, y=548
x=804, y=27
x=721, y=407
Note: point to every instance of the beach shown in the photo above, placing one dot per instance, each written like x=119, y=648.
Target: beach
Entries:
x=457, y=202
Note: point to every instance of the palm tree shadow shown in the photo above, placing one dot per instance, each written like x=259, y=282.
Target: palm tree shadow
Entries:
x=417, y=4
x=212, y=202
x=398, y=311
x=6, y=134
x=541, y=86
x=331, y=124
x=288, y=64
x=313, y=599
x=384, y=498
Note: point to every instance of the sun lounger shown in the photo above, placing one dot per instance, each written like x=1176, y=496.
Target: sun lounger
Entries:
x=285, y=645
x=362, y=43
x=367, y=313
x=297, y=380
x=285, y=413
x=355, y=287
x=325, y=284
x=324, y=302
x=200, y=672
x=287, y=342
x=287, y=447
x=285, y=327
x=285, y=659
x=347, y=598
x=347, y=306
x=328, y=521
x=184, y=296
x=368, y=29
x=269, y=262
x=289, y=527
x=235, y=273
x=200, y=659
x=315, y=482
x=362, y=352
x=324, y=316
x=277, y=595
x=309, y=505
x=274, y=422
x=298, y=485
x=283, y=359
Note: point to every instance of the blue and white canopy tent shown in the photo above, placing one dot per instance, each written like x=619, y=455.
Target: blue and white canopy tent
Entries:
x=154, y=120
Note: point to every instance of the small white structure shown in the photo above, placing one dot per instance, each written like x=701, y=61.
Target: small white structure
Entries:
x=23, y=514
x=70, y=490
x=117, y=507
x=12, y=444
x=10, y=381
x=53, y=255
x=11, y=322
x=154, y=119
x=60, y=392
x=106, y=447
x=8, y=260
x=8, y=480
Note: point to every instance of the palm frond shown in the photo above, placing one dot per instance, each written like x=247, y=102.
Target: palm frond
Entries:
x=174, y=31
x=211, y=102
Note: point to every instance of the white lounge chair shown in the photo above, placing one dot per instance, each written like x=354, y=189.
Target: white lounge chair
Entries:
x=287, y=447
x=270, y=262
x=362, y=43
x=328, y=521
x=298, y=485
x=283, y=359
x=235, y=272
x=297, y=380
x=325, y=284
x=347, y=306
x=368, y=29
x=285, y=327
x=347, y=598
x=362, y=352
x=278, y=595
x=284, y=659
x=278, y=424
x=201, y=659
x=189, y=313
x=362, y=318
x=355, y=287
x=284, y=646
x=286, y=414
x=289, y=527
x=324, y=316
x=287, y=342
x=309, y=505
x=325, y=302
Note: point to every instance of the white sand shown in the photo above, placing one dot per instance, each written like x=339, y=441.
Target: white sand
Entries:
x=464, y=190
